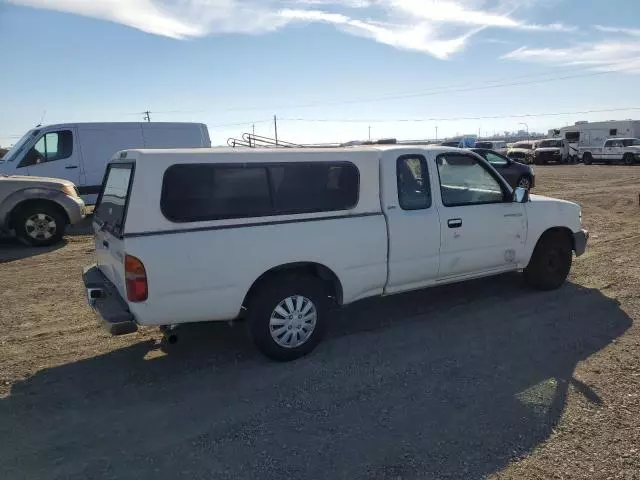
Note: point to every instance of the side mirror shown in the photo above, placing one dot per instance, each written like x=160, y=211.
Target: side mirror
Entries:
x=521, y=195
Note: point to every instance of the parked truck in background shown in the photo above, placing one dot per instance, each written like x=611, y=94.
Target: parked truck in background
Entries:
x=79, y=152
x=552, y=150
x=590, y=137
x=614, y=150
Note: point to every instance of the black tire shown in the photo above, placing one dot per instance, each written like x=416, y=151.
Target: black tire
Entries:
x=551, y=261
x=628, y=159
x=522, y=180
x=39, y=225
x=269, y=296
x=587, y=158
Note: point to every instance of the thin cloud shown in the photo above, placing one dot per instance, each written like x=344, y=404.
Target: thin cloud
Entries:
x=634, y=32
x=440, y=28
x=606, y=55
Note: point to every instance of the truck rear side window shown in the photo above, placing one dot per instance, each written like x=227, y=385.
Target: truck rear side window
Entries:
x=111, y=207
x=203, y=192
x=414, y=190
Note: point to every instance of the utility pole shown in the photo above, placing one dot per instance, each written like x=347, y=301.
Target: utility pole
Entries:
x=275, y=128
x=369, y=132
x=436, y=132
x=253, y=137
x=147, y=116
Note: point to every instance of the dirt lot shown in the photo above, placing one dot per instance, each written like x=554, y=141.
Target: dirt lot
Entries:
x=481, y=379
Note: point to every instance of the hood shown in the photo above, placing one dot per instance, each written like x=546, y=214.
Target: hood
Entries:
x=548, y=149
x=40, y=181
x=522, y=150
x=542, y=199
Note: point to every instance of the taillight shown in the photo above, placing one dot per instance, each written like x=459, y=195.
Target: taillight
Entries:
x=136, y=279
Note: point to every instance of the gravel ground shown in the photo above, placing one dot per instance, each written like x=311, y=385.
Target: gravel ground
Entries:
x=482, y=379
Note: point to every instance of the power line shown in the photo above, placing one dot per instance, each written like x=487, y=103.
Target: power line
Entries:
x=441, y=119
x=426, y=93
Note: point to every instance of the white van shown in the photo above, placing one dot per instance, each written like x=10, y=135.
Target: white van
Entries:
x=279, y=235
x=79, y=152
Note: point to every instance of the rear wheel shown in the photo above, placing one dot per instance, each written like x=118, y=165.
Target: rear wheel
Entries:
x=39, y=225
x=551, y=261
x=288, y=316
x=587, y=158
x=628, y=159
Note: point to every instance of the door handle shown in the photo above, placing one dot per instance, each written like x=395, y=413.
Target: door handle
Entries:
x=454, y=222
x=70, y=167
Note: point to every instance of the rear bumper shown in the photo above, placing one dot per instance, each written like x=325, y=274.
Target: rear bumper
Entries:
x=580, y=241
x=105, y=300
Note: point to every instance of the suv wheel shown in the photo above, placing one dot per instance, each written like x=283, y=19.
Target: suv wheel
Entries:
x=288, y=316
x=551, y=261
x=628, y=159
x=39, y=225
x=587, y=159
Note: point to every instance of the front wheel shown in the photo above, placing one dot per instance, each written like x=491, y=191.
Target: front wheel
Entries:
x=40, y=225
x=629, y=159
x=587, y=159
x=524, y=182
x=551, y=261
x=288, y=316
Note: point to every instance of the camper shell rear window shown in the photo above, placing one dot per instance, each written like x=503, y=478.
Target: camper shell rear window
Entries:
x=111, y=208
x=201, y=192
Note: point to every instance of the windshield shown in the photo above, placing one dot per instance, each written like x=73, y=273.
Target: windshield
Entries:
x=487, y=145
x=11, y=155
x=628, y=142
x=528, y=146
x=550, y=144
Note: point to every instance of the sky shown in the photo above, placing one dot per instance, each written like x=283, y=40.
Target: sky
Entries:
x=330, y=70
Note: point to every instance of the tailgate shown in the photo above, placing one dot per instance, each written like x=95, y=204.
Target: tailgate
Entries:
x=109, y=218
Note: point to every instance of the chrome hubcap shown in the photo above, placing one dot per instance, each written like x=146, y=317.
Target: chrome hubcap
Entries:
x=292, y=322
x=40, y=226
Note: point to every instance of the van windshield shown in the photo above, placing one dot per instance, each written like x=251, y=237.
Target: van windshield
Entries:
x=12, y=154
x=550, y=144
x=111, y=207
x=487, y=145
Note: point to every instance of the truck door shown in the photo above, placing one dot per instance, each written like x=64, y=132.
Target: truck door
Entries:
x=413, y=223
x=55, y=154
x=482, y=230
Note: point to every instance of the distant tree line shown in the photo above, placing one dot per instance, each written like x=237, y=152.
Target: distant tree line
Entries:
x=3, y=151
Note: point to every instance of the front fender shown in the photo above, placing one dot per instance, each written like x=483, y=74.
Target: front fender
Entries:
x=31, y=193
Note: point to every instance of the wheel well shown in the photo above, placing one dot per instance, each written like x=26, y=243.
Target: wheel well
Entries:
x=564, y=230
x=31, y=203
x=328, y=277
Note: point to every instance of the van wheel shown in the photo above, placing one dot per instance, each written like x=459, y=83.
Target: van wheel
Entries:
x=551, y=261
x=39, y=225
x=288, y=316
x=628, y=159
x=587, y=158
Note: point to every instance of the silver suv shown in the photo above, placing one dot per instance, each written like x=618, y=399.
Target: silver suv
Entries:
x=38, y=209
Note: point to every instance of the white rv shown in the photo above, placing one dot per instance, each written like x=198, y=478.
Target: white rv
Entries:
x=79, y=152
x=591, y=136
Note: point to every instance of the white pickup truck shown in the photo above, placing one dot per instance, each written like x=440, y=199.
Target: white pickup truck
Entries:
x=278, y=236
x=614, y=150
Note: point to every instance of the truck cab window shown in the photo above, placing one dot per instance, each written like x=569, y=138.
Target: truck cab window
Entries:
x=464, y=180
x=50, y=147
x=414, y=191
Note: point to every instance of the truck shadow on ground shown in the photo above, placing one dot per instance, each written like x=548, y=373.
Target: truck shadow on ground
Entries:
x=446, y=383
x=12, y=249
